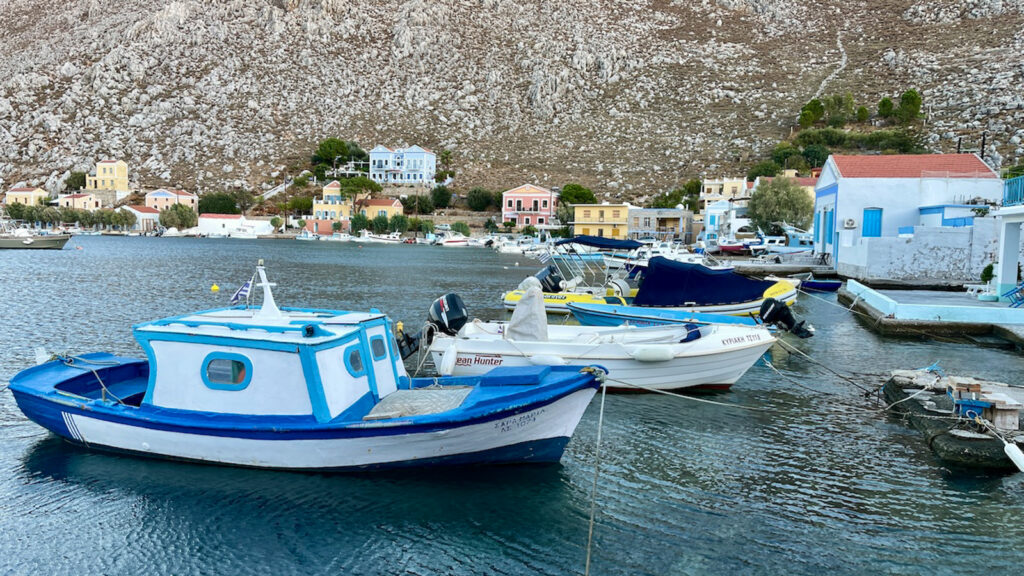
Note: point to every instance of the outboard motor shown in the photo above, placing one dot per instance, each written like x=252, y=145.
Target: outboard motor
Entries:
x=550, y=279
x=448, y=313
x=775, y=312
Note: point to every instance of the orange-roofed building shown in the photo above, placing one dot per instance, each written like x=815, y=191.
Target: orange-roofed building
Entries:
x=79, y=201
x=862, y=198
x=374, y=207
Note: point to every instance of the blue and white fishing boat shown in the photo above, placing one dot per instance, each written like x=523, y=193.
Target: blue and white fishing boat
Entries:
x=289, y=388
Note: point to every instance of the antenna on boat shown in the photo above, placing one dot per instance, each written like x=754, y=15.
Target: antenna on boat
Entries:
x=269, y=308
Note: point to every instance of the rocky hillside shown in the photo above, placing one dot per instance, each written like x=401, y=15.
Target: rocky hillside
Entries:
x=628, y=96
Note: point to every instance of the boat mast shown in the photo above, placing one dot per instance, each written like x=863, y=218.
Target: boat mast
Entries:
x=269, y=309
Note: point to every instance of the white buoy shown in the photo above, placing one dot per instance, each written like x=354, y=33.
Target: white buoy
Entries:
x=448, y=361
x=1013, y=451
x=546, y=360
x=653, y=353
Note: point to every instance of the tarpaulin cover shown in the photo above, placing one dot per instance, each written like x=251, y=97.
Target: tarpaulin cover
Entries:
x=601, y=242
x=670, y=283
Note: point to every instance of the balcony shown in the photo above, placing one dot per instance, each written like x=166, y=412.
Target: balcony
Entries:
x=1013, y=191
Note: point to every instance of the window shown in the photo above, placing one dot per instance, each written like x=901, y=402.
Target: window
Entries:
x=527, y=220
x=586, y=231
x=600, y=214
x=225, y=371
x=544, y=204
x=615, y=213
x=378, y=348
x=540, y=220
x=354, y=361
x=586, y=213
x=510, y=203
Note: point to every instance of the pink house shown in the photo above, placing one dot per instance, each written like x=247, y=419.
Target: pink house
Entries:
x=528, y=205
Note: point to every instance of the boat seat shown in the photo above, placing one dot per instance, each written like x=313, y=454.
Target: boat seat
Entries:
x=419, y=402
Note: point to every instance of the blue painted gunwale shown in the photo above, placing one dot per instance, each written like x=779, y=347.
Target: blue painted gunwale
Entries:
x=493, y=398
x=610, y=315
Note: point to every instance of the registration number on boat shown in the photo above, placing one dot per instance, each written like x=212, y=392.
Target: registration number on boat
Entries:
x=517, y=422
x=741, y=339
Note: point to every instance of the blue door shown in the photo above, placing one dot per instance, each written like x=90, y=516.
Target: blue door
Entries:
x=872, y=227
x=817, y=226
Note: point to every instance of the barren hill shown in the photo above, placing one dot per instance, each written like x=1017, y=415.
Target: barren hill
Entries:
x=628, y=96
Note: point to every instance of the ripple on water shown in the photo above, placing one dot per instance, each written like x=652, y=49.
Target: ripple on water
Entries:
x=819, y=481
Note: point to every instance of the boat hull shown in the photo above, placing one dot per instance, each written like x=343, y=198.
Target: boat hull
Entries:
x=714, y=363
x=524, y=423
x=610, y=315
x=51, y=242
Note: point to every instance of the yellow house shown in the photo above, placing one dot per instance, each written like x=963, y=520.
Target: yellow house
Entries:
x=333, y=205
x=108, y=175
x=380, y=207
x=27, y=196
x=80, y=201
x=607, y=220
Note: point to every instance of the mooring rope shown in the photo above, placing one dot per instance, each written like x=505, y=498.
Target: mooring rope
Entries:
x=684, y=396
x=593, y=488
x=69, y=361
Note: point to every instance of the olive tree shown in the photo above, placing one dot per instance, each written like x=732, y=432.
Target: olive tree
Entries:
x=781, y=200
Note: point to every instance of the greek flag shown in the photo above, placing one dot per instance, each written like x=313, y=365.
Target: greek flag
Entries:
x=544, y=257
x=243, y=292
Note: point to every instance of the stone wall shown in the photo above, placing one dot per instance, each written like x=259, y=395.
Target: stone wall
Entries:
x=932, y=256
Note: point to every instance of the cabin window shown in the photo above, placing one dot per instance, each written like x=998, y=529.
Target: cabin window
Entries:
x=224, y=371
x=354, y=361
x=378, y=348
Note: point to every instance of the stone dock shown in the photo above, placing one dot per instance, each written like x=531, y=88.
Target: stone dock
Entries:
x=936, y=313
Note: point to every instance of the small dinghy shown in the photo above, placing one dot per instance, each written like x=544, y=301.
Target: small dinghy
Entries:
x=773, y=313
x=968, y=422
x=296, y=388
x=808, y=283
x=689, y=356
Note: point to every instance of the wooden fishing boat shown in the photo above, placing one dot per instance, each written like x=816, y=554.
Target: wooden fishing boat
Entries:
x=291, y=388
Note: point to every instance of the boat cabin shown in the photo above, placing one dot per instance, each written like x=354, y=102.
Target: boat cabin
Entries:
x=289, y=362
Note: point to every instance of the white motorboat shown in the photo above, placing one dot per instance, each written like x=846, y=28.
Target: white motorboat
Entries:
x=660, y=358
x=453, y=240
x=337, y=237
x=370, y=237
x=307, y=236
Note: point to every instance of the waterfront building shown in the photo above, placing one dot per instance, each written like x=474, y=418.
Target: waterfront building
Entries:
x=413, y=165
x=108, y=181
x=607, y=220
x=529, y=205
x=713, y=190
x=80, y=201
x=29, y=196
x=163, y=198
x=1009, y=219
x=905, y=217
x=332, y=204
x=231, y=224
x=373, y=207
x=147, y=218
x=661, y=223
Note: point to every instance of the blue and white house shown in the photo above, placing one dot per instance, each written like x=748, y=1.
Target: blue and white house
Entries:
x=413, y=165
x=903, y=217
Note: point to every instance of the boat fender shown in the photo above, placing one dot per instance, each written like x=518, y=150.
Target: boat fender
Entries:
x=652, y=353
x=1013, y=451
x=448, y=359
x=547, y=360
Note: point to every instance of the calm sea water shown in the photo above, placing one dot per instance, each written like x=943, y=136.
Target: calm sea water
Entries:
x=821, y=482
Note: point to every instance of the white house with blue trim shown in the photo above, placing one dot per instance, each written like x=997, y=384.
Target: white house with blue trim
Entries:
x=863, y=203
x=413, y=165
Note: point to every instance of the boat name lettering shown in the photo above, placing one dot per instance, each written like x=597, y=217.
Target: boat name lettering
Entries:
x=742, y=339
x=517, y=422
x=479, y=360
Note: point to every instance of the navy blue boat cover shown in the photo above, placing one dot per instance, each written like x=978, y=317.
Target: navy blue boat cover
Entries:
x=670, y=283
x=601, y=242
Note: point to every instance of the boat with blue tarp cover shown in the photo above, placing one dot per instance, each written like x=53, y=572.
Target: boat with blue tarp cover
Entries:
x=697, y=288
x=296, y=388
